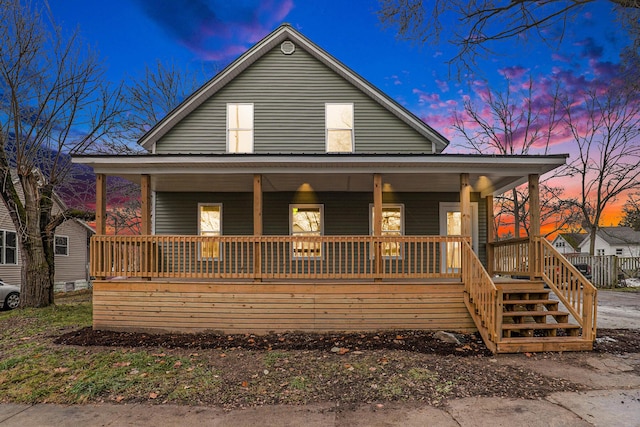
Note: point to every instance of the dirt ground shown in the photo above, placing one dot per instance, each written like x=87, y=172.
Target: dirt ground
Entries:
x=352, y=368
x=610, y=341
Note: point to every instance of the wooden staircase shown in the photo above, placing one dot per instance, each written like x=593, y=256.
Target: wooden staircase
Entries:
x=533, y=322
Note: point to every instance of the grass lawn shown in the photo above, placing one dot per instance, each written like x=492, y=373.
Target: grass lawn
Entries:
x=34, y=369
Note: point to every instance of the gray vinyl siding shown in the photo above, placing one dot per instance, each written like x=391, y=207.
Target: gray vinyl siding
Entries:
x=289, y=93
x=72, y=267
x=344, y=213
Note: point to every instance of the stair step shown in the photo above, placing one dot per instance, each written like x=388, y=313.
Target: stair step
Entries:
x=522, y=326
x=534, y=313
x=512, y=340
x=528, y=301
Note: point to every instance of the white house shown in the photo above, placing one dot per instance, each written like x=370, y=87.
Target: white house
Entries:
x=568, y=243
x=619, y=241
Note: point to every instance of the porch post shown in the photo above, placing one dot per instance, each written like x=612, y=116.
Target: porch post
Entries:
x=96, y=252
x=257, y=226
x=101, y=204
x=465, y=204
x=145, y=224
x=145, y=205
x=377, y=221
x=534, y=225
x=491, y=234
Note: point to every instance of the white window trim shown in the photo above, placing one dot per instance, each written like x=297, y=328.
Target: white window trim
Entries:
x=252, y=129
x=3, y=248
x=306, y=206
x=54, y=245
x=327, y=129
x=402, y=226
x=219, y=257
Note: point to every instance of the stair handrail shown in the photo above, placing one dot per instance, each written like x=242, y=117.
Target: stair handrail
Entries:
x=483, y=294
x=577, y=294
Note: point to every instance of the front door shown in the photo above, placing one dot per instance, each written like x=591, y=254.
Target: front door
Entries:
x=451, y=225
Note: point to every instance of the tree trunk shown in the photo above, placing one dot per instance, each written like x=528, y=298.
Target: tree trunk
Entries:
x=37, y=276
x=592, y=240
x=516, y=215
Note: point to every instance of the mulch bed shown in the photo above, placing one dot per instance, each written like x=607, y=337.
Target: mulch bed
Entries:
x=609, y=340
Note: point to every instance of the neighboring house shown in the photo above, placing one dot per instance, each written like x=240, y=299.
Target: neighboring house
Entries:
x=568, y=243
x=288, y=193
x=619, y=241
x=71, y=251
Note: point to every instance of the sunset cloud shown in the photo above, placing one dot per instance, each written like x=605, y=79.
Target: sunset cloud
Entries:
x=216, y=30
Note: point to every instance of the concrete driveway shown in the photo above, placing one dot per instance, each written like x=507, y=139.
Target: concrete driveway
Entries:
x=618, y=310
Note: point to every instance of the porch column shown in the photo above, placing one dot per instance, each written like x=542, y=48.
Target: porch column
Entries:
x=377, y=221
x=257, y=226
x=534, y=225
x=97, y=253
x=145, y=204
x=491, y=234
x=465, y=204
x=101, y=204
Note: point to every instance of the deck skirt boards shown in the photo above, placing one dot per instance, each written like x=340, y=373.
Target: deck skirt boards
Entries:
x=276, y=306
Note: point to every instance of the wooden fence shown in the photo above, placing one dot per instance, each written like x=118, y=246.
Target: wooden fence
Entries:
x=608, y=270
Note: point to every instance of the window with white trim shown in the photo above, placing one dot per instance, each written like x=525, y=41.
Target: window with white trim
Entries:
x=339, y=128
x=560, y=244
x=306, y=220
x=600, y=252
x=392, y=225
x=209, y=224
x=240, y=128
x=8, y=247
x=61, y=245
x=618, y=251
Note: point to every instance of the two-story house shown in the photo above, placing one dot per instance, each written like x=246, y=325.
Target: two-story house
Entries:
x=288, y=193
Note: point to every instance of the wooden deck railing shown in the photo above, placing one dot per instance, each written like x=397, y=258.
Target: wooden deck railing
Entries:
x=511, y=256
x=484, y=298
x=576, y=293
x=270, y=257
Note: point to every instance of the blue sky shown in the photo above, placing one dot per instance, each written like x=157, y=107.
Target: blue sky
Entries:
x=132, y=33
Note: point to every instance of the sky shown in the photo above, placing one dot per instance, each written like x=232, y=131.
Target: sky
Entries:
x=209, y=34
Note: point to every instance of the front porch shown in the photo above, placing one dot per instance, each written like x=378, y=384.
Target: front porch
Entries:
x=259, y=284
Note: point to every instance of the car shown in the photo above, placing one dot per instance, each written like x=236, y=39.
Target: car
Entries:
x=9, y=296
x=585, y=269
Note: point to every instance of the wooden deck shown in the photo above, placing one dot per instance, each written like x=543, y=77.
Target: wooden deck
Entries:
x=248, y=307
x=260, y=284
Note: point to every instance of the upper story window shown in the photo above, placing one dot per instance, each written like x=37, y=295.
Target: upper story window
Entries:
x=8, y=247
x=61, y=245
x=618, y=251
x=600, y=252
x=559, y=244
x=210, y=224
x=240, y=128
x=339, y=124
x=306, y=221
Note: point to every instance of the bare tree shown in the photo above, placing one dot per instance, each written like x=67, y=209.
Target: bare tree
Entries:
x=474, y=25
x=159, y=90
x=53, y=101
x=605, y=126
x=516, y=123
x=631, y=212
x=148, y=99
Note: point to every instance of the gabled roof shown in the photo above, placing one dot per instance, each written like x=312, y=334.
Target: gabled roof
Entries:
x=280, y=34
x=619, y=236
x=573, y=239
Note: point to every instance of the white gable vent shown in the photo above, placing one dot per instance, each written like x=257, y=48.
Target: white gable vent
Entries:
x=288, y=47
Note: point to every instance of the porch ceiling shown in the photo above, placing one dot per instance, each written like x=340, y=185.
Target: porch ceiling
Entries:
x=400, y=173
